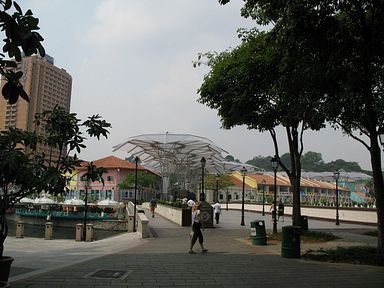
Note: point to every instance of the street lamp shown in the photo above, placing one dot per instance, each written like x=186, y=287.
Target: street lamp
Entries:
x=134, y=209
x=85, y=207
x=243, y=172
x=226, y=207
x=217, y=187
x=202, y=162
x=337, y=175
x=117, y=185
x=263, y=183
x=275, y=164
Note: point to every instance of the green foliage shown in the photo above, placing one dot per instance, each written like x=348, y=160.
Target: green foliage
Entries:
x=365, y=255
x=144, y=179
x=230, y=158
x=20, y=32
x=308, y=237
x=310, y=161
x=221, y=181
x=94, y=174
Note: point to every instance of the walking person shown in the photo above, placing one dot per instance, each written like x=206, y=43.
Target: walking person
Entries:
x=217, y=211
x=280, y=210
x=272, y=208
x=197, y=227
x=153, y=205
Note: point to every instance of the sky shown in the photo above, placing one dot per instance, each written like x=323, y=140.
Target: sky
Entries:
x=131, y=63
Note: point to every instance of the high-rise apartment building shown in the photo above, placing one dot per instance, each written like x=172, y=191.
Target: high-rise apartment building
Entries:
x=46, y=86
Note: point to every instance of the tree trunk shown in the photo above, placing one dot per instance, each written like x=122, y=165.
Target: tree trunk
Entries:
x=379, y=192
x=295, y=174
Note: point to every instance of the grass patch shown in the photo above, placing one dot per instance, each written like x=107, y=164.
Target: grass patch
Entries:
x=365, y=255
x=372, y=233
x=309, y=237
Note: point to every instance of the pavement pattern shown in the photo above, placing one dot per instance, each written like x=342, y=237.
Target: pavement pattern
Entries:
x=163, y=260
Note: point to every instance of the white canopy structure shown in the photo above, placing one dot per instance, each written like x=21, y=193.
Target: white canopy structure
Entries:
x=167, y=153
x=157, y=150
x=108, y=203
x=182, y=153
x=44, y=200
x=73, y=202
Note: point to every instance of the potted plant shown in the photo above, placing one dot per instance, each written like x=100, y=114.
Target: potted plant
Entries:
x=19, y=177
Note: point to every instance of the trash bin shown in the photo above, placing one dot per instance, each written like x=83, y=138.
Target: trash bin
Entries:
x=19, y=230
x=186, y=217
x=48, y=231
x=304, y=223
x=79, y=232
x=290, y=246
x=258, y=235
x=89, y=233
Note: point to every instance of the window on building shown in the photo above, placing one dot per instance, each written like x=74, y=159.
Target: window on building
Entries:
x=110, y=178
x=83, y=178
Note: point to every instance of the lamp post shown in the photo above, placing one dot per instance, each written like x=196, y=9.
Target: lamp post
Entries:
x=263, y=183
x=243, y=172
x=85, y=209
x=117, y=185
x=226, y=207
x=134, y=209
x=202, y=162
x=217, y=187
x=275, y=164
x=337, y=175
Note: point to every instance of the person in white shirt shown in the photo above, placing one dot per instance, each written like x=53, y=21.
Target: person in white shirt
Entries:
x=217, y=211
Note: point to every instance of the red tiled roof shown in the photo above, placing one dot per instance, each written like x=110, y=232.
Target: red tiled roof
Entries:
x=239, y=183
x=269, y=179
x=113, y=162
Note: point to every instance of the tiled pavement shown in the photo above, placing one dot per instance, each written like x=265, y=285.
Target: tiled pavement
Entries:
x=163, y=261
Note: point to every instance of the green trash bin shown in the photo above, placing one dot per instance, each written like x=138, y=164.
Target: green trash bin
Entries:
x=258, y=235
x=304, y=223
x=290, y=246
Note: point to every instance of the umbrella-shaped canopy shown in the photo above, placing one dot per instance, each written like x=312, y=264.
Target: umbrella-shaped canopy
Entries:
x=26, y=200
x=174, y=153
x=178, y=153
x=108, y=203
x=44, y=200
x=156, y=151
x=73, y=202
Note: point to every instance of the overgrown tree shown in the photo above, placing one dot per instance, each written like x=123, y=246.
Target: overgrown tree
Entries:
x=221, y=181
x=352, y=34
x=250, y=86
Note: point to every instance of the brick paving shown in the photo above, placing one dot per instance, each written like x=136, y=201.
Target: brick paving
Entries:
x=232, y=261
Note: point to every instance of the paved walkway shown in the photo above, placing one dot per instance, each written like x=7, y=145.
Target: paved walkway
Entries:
x=163, y=261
